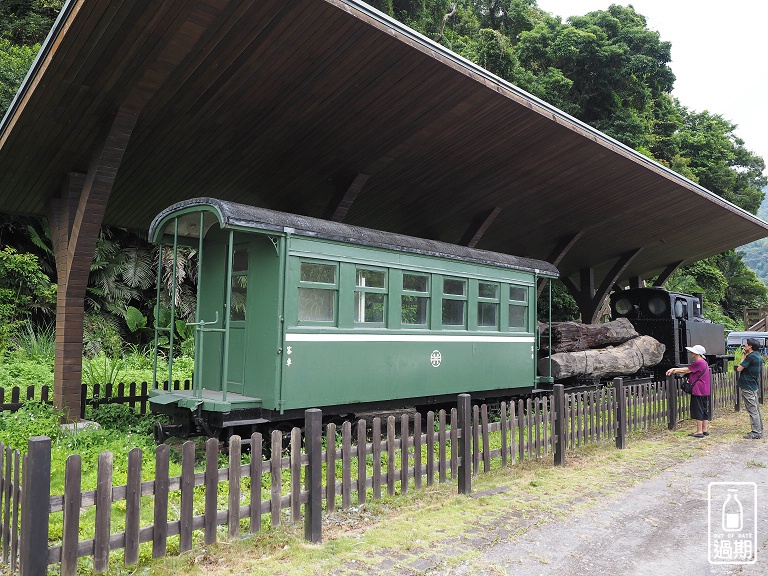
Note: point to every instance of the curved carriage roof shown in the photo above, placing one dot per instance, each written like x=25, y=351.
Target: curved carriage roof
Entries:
x=241, y=216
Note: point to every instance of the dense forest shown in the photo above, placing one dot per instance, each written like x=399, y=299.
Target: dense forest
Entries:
x=606, y=68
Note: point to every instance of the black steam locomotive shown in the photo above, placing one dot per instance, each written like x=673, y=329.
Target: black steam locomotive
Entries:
x=675, y=320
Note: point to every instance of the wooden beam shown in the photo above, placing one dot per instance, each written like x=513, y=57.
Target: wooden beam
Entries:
x=668, y=271
x=75, y=220
x=605, y=286
x=590, y=299
x=557, y=254
x=349, y=197
x=479, y=227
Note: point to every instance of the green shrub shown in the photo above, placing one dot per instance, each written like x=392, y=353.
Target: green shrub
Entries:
x=32, y=419
x=16, y=371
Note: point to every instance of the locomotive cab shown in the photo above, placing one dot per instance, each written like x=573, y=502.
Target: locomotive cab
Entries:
x=674, y=319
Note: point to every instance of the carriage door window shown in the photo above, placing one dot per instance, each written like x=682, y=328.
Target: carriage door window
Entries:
x=239, y=285
x=518, y=309
x=487, y=305
x=317, y=292
x=454, y=303
x=370, y=295
x=415, y=299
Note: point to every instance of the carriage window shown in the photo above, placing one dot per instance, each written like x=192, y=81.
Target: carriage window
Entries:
x=370, y=295
x=415, y=299
x=518, y=308
x=317, y=292
x=488, y=305
x=454, y=303
x=239, y=285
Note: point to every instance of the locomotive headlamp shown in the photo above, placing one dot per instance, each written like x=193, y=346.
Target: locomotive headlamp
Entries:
x=657, y=306
x=623, y=306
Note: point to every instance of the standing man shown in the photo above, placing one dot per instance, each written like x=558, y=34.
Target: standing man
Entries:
x=749, y=378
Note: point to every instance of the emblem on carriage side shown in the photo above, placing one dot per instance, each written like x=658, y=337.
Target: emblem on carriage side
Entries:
x=435, y=358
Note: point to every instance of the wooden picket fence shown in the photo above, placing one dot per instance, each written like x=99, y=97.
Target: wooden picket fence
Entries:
x=362, y=460
x=134, y=395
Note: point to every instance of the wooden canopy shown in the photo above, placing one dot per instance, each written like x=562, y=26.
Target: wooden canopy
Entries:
x=327, y=108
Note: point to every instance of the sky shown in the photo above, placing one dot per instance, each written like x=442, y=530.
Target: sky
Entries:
x=719, y=56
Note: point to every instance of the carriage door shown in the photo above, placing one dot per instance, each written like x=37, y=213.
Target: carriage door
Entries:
x=237, y=317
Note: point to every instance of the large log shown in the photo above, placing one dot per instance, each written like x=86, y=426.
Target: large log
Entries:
x=627, y=358
x=573, y=336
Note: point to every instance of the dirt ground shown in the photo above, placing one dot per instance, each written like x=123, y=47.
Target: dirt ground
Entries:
x=656, y=527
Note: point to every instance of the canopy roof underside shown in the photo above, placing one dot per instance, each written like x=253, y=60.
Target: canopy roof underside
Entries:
x=326, y=108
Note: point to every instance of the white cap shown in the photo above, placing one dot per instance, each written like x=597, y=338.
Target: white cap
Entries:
x=697, y=349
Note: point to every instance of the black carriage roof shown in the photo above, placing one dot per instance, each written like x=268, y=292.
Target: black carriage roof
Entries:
x=242, y=216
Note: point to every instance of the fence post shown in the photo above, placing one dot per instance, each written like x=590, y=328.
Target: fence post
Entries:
x=736, y=392
x=559, y=409
x=313, y=479
x=671, y=403
x=35, y=507
x=621, y=416
x=465, y=443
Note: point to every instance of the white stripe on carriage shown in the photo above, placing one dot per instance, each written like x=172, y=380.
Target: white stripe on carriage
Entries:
x=298, y=337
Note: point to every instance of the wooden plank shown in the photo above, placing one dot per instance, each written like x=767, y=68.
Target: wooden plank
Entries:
x=417, y=444
x=255, y=473
x=330, y=467
x=486, y=443
x=133, y=507
x=160, y=532
x=512, y=433
x=346, y=465
x=430, y=448
x=5, y=510
x=187, y=503
x=529, y=425
x=362, y=463
x=537, y=413
x=211, y=489
x=276, y=478
x=296, y=474
x=391, y=455
x=15, y=505
x=235, y=448
x=475, y=439
x=71, y=524
x=103, y=513
x=404, y=459
x=520, y=430
x=376, y=449
x=504, y=434
x=144, y=397
x=454, y=444
x=442, y=439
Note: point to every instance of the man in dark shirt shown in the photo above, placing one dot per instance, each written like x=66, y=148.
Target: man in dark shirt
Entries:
x=749, y=378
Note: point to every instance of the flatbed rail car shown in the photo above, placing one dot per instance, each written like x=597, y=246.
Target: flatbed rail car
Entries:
x=295, y=313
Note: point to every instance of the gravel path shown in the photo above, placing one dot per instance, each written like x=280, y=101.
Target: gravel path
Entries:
x=657, y=527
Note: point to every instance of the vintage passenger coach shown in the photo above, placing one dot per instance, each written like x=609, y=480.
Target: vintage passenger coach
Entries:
x=295, y=312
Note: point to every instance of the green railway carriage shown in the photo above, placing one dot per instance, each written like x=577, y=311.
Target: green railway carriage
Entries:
x=295, y=313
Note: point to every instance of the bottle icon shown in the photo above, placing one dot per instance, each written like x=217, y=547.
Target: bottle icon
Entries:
x=733, y=513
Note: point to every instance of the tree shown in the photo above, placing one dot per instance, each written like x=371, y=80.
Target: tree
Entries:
x=14, y=62
x=719, y=160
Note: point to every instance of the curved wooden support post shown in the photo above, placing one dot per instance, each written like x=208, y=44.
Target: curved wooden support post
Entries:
x=478, y=228
x=562, y=248
x=589, y=298
x=349, y=197
x=668, y=271
x=75, y=220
